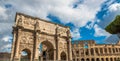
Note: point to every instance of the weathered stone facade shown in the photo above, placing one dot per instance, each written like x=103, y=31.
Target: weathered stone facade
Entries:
x=29, y=32
x=90, y=51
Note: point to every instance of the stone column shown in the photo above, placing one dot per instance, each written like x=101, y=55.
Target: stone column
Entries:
x=56, y=41
x=57, y=50
x=94, y=51
x=115, y=51
x=70, y=50
x=89, y=50
x=69, y=44
x=17, y=53
x=107, y=50
x=111, y=51
x=35, y=39
x=54, y=54
x=74, y=52
x=103, y=51
x=79, y=52
x=99, y=59
x=13, y=46
x=99, y=51
x=31, y=58
x=104, y=59
x=113, y=59
x=36, y=47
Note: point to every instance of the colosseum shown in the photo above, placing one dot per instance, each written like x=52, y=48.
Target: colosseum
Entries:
x=88, y=50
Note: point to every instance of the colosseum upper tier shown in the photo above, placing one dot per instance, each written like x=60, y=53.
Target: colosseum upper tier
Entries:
x=90, y=51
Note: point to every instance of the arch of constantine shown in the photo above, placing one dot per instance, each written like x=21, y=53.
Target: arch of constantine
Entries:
x=40, y=39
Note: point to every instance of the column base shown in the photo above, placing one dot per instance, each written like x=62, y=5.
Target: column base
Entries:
x=16, y=59
x=36, y=59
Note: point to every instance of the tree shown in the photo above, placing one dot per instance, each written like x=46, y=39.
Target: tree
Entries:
x=114, y=27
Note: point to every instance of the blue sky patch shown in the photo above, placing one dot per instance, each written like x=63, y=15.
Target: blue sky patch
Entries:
x=8, y=5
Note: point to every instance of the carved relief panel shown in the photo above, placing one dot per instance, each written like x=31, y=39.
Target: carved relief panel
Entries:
x=27, y=37
x=28, y=23
x=19, y=20
x=45, y=37
x=26, y=46
x=62, y=44
x=62, y=31
x=47, y=27
x=25, y=22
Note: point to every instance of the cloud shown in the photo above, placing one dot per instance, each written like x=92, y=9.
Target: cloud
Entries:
x=63, y=9
x=3, y=14
x=100, y=32
x=6, y=44
x=6, y=38
x=79, y=16
x=75, y=34
x=114, y=7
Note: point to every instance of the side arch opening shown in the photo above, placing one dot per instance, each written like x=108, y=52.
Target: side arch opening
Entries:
x=63, y=56
x=25, y=55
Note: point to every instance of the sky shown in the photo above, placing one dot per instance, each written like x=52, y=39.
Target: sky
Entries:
x=87, y=19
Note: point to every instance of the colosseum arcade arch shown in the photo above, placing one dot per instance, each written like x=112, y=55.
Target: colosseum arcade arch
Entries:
x=30, y=32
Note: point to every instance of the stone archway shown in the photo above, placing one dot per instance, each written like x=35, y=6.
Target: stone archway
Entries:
x=82, y=59
x=25, y=55
x=87, y=59
x=97, y=59
x=111, y=59
x=29, y=31
x=46, y=51
x=106, y=59
x=92, y=59
x=102, y=59
x=63, y=56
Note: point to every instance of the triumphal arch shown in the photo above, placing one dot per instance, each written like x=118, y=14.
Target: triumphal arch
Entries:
x=42, y=40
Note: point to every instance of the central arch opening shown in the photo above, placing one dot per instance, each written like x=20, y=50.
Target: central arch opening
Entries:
x=46, y=50
x=63, y=56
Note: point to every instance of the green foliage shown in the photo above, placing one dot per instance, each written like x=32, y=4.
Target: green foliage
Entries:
x=114, y=26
